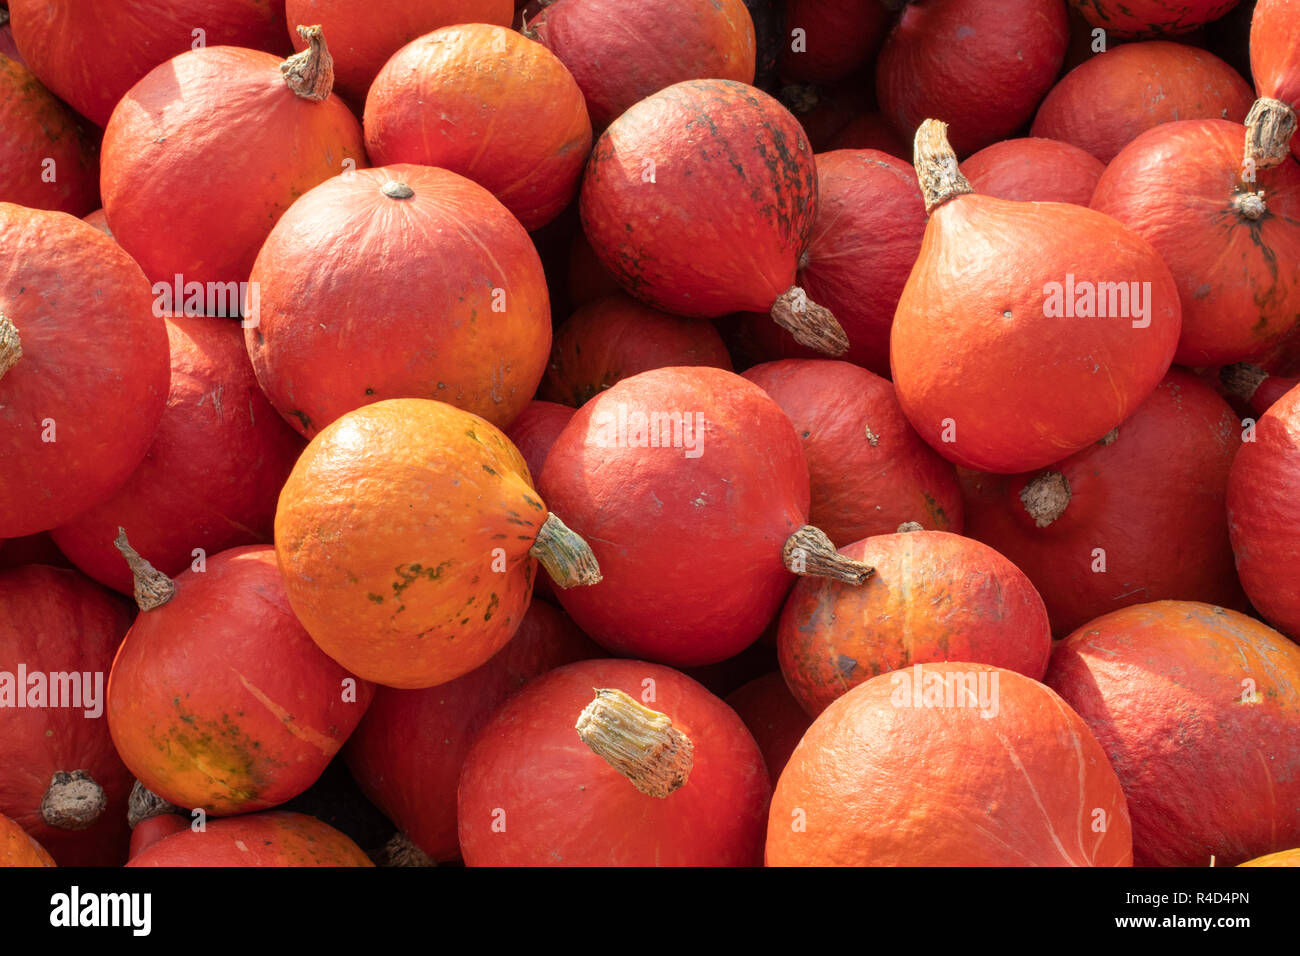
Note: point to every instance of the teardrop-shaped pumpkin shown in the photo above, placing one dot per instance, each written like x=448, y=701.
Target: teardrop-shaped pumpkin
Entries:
x=1275, y=65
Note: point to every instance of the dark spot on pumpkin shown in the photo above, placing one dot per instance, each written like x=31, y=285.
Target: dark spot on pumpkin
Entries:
x=489, y=469
x=302, y=417
x=377, y=598
x=493, y=601
x=533, y=503
x=846, y=665
x=370, y=391
x=409, y=573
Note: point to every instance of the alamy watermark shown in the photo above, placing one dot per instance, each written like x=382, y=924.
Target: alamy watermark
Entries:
x=82, y=690
x=918, y=687
x=1084, y=299
x=622, y=428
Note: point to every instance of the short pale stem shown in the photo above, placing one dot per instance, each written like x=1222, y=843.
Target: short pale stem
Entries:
x=812, y=325
x=152, y=587
x=565, y=556
x=11, y=344
x=936, y=165
x=1270, y=124
x=1046, y=497
x=907, y=527
x=73, y=801
x=144, y=803
x=310, y=74
x=1250, y=205
x=396, y=189
x=810, y=552
x=640, y=743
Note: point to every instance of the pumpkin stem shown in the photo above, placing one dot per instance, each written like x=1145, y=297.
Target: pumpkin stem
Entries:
x=799, y=97
x=809, y=552
x=1250, y=205
x=565, y=556
x=1242, y=379
x=1046, y=497
x=1270, y=124
x=907, y=527
x=400, y=851
x=73, y=801
x=812, y=325
x=936, y=165
x=144, y=804
x=152, y=587
x=310, y=74
x=4, y=16
x=11, y=344
x=396, y=189
x=1109, y=437
x=640, y=743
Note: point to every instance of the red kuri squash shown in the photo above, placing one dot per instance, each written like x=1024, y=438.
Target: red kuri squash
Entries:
x=19, y=849
x=773, y=716
x=1275, y=65
x=276, y=838
x=828, y=40
x=1255, y=387
x=1034, y=170
x=1144, y=18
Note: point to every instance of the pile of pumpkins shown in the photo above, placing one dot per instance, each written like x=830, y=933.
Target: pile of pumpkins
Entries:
x=911, y=474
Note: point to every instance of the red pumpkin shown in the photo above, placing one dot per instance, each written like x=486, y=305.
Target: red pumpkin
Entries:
x=823, y=111
x=452, y=287
x=32, y=549
x=1275, y=65
x=730, y=153
x=1136, y=517
x=276, y=838
x=982, y=66
x=872, y=131
x=1255, y=387
x=538, y=791
x=836, y=38
x=870, y=471
x=1107, y=101
x=1199, y=709
x=773, y=716
x=83, y=368
x=7, y=46
x=1263, y=516
x=369, y=33
x=1179, y=186
x=613, y=338
x=91, y=58
x=291, y=133
x=19, y=849
x=1034, y=170
x=1144, y=18
x=587, y=279
x=148, y=832
x=982, y=364
x=407, y=754
x=99, y=221
x=211, y=477
x=218, y=698
x=655, y=43
x=485, y=102
x=949, y=765
x=60, y=778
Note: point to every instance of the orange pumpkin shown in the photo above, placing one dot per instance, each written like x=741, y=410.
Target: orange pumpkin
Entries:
x=18, y=849
x=276, y=838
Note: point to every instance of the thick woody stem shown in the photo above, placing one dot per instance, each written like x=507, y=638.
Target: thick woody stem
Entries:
x=152, y=587
x=73, y=801
x=565, y=556
x=936, y=165
x=1046, y=497
x=11, y=344
x=1242, y=379
x=640, y=743
x=144, y=803
x=310, y=74
x=813, y=326
x=810, y=552
x=400, y=851
x=1270, y=124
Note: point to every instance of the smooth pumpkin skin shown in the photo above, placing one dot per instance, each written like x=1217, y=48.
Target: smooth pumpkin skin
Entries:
x=148, y=832
x=886, y=785
x=934, y=596
x=386, y=530
x=1174, y=185
x=1275, y=53
x=166, y=157
x=1020, y=393
x=655, y=43
x=870, y=471
x=19, y=849
x=219, y=700
x=488, y=103
x=565, y=806
x=36, y=128
x=724, y=154
x=211, y=477
x=408, y=751
x=1263, y=515
x=613, y=338
x=1140, y=18
x=1107, y=101
x=839, y=37
x=364, y=34
x=430, y=275
x=94, y=363
x=1162, y=685
x=1034, y=170
x=273, y=838
x=99, y=221
x=1153, y=500
x=706, y=530
x=59, y=621
x=982, y=66
x=1281, y=858
x=773, y=716
x=90, y=53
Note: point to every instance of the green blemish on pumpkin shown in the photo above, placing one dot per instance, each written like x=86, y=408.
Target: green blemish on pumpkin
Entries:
x=534, y=504
x=489, y=469
x=377, y=598
x=473, y=437
x=493, y=601
x=409, y=573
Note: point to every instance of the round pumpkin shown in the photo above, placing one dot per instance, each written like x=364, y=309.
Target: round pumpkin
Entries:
x=982, y=66
x=869, y=470
x=209, y=480
x=727, y=152
x=871, y=130
x=950, y=764
x=608, y=340
x=1001, y=360
x=834, y=38
x=275, y=838
x=1275, y=66
x=773, y=716
x=182, y=118
x=148, y=832
x=218, y=699
x=1180, y=187
x=60, y=778
x=1033, y=170
x=1136, y=517
x=1144, y=18
x=407, y=534
x=452, y=289
x=83, y=368
x=490, y=104
x=613, y=763
x=1281, y=858
x=1107, y=101
x=91, y=57
x=1199, y=709
x=99, y=221
x=19, y=849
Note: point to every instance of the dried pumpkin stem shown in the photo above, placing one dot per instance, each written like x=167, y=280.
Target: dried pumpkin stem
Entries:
x=144, y=804
x=310, y=74
x=152, y=587
x=936, y=165
x=396, y=189
x=1270, y=124
x=11, y=344
x=400, y=851
x=1046, y=497
x=640, y=743
x=809, y=552
x=73, y=800
x=907, y=527
x=812, y=325
x=565, y=556
x=4, y=17
x=799, y=97
x=1249, y=205
x=1242, y=379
